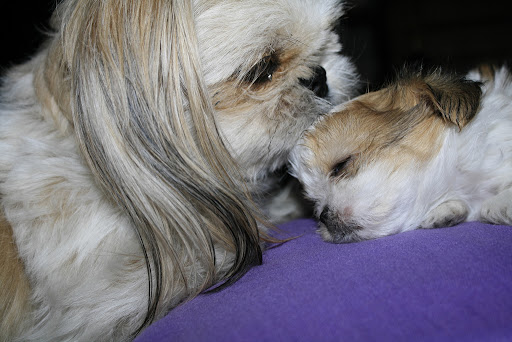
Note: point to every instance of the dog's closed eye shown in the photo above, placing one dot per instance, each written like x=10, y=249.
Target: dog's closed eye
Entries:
x=263, y=71
x=340, y=169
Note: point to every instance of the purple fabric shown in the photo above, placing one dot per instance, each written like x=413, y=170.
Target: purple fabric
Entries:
x=450, y=284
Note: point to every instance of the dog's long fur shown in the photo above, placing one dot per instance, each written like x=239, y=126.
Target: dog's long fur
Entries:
x=134, y=145
x=430, y=150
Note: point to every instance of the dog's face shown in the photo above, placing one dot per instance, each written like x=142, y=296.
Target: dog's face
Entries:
x=272, y=67
x=367, y=165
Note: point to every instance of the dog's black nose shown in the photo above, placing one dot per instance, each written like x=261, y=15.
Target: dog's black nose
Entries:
x=324, y=216
x=317, y=83
x=341, y=231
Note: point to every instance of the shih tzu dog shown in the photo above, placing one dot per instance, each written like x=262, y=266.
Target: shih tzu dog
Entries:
x=430, y=150
x=138, y=152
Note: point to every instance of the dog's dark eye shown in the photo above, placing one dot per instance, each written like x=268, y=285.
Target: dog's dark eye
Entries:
x=263, y=71
x=339, y=169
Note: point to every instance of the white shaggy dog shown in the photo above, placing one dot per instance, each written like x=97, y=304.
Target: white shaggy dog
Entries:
x=426, y=151
x=133, y=145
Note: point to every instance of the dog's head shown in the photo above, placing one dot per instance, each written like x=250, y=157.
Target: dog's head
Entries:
x=365, y=165
x=271, y=68
x=178, y=105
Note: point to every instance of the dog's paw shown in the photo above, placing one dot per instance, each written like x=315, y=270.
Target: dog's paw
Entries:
x=446, y=214
x=498, y=209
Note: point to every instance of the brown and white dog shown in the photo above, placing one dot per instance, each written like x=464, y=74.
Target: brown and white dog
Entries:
x=132, y=148
x=427, y=151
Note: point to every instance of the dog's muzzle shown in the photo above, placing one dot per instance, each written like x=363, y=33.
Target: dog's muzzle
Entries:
x=340, y=230
x=317, y=83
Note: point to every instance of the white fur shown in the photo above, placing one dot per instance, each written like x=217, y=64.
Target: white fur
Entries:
x=75, y=244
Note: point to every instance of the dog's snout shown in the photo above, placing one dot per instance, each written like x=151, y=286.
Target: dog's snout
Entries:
x=327, y=219
x=339, y=228
x=317, y=83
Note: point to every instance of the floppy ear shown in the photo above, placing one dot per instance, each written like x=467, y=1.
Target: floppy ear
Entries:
x=453, y=98
x=145, y=125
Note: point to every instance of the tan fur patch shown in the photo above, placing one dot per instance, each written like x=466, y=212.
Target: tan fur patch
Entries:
x=424, y=141
x=387, y=125
x=14, y=289
x=235, y=96
x=487, y=72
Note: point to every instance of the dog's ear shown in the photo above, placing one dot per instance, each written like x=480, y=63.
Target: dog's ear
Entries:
x=453, y=98
x=145, y=125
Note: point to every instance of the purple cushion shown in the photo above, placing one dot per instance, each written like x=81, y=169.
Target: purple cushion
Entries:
x=450, y=284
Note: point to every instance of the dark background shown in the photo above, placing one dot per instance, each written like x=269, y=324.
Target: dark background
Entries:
x=383, y=35
x=379, y=35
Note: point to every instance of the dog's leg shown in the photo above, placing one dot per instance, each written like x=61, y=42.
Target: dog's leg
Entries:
x=498, y=209
x=446, y=214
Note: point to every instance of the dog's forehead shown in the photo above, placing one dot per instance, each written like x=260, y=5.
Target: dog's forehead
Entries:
x=374, y=125
x=330, y=139
x=368, y=115
x=348, y=124
x=249, y=13
x=233, y=34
